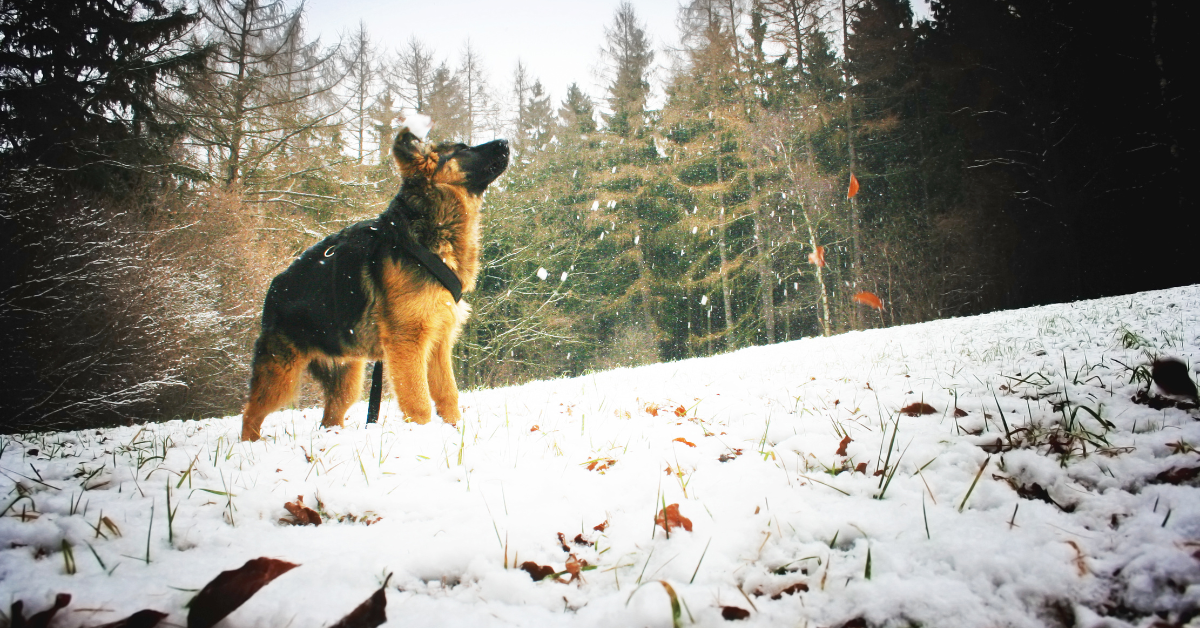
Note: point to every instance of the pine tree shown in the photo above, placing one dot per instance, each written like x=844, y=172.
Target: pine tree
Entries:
x=628, y=54
x=576, y=112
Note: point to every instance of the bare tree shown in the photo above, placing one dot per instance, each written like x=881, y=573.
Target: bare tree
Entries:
x=412, y=74
x=361, y=77
x=475, y=91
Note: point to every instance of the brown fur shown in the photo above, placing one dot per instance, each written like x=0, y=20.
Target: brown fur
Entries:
x=411, y=322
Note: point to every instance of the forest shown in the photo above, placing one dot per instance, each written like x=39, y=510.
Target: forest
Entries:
x=162, y=162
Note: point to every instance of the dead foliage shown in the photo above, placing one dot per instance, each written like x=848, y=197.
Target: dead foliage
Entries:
x=231, y=589
x=841, y=450
x=601, y=465
x=790, y=590
x=301, y=515
x=141, y=619
x=669, y=518
x=918, y=409
x=681, y=412
x=729, y=455
x=733, y=613
x=684, y=441
x=38, y=620
x=1177, y=475
x=536, y=571
x=370, y=613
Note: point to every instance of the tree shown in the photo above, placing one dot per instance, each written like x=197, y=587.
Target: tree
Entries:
x=263, y=86
x=412, y=74
x=577, y=113
x=360, y=78
x=80, y=87
x=447, y=106
x=475, y=91
x=628, y=54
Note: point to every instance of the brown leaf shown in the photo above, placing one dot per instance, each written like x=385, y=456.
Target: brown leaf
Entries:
x=579, y=540
x=684, y=441
x=917, y=409
x=857, y=622
x=536, y=571
x=602, y=526
x=959, y=413
x=231, y=589
x=669, y=517
x=1177, y=475
x=681, y=411
x=861, y=468
x=1080, y=561
x=141, y=619
x=38, y=620
x=791, y=590
x=575, y=567
x=562, y=540
x=733, y=613
x=841, y=451
x=303, y=514
x=370, y=613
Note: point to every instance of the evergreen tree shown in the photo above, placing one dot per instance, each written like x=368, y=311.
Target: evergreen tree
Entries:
x=628, y=54
x=576, y=112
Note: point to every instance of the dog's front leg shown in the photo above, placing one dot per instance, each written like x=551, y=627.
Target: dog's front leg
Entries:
x=441, y=383
x=407, y=363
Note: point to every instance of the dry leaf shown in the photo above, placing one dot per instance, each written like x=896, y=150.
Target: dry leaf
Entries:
x=574, y=567
x=841, y=451
x=562, y=540
x=959, y=413
x=602, y=526
x=536, y=571
x=853, y=190
x=791, y=590
x=231, y=589
x=534, y=428
x=652, y=409
x=1177, y=475
x=669, y=517
x=917, y=409
x=579, y=540
x=303, y=515
x=681, y=411
x=733, y=613
x=141, y=619
x=38, y=620
x=684, y=441
x=869, y=299
x=861, y=468
x=370, y=613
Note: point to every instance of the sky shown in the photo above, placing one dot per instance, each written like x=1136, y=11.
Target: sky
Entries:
x=558, y=41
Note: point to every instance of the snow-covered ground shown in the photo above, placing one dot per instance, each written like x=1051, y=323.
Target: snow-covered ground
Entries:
x=1074, y=519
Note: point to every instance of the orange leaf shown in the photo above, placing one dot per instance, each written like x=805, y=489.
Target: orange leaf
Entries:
x=842, y=446
x=230, y=589
x=684, y=441
x=669, y=517
x=601, y=527
x=817, y=256
x=853, y=186
x=534, y=428
x=652, y=409
x=681, y=411
x=868, y=298
x=303, y=514
x=917, y=409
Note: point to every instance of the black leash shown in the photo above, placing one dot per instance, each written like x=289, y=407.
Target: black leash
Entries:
x=429, y=262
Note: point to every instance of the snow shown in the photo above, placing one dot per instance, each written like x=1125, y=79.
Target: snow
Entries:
x=418, y=123
x=514, y=473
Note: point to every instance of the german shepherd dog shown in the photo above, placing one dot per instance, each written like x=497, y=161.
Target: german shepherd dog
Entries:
x=360, y=295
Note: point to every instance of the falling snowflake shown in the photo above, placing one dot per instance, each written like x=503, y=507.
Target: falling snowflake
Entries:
x=595, y=205
x=564, y=276
x=542, y=273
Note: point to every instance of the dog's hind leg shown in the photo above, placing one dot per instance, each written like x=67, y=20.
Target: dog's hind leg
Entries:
x=273, y=383
x=342, y=382
x=441, y=382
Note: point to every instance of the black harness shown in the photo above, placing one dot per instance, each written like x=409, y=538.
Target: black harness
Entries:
x=432, y=264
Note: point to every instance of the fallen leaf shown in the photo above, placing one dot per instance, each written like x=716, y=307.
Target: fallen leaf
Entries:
x=579, y=540
x=729, y=455
x=652, y=410
x=681, y=411
x=534, y=428
x=536, y=571
x=850, y=193
x=230, y=589
x=791, y=590
x=869, y=299
x=733, y=613
x=601, y=527
x=562, y=540
x=669, y=517
x=38, y=620
x=917, y=409
x=141, y=619
x=817, y=258
x=370, y=613
x=846, y=440
x=857, y=622
x=684, y=441
x=959, y=413
x=303, y=514
x=1177, y=475
x=861, y=468
x=574, y=567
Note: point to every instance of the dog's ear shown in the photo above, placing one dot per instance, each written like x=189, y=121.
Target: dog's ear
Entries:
x=413, y=157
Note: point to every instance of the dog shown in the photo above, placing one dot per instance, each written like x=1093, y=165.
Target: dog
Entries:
x=361, y=295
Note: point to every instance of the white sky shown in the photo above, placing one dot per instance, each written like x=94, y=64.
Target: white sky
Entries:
x=558, y=41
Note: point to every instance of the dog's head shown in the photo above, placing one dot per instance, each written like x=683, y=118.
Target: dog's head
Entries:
x=425, y=166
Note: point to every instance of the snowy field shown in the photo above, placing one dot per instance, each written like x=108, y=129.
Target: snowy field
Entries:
x=1034, y=491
